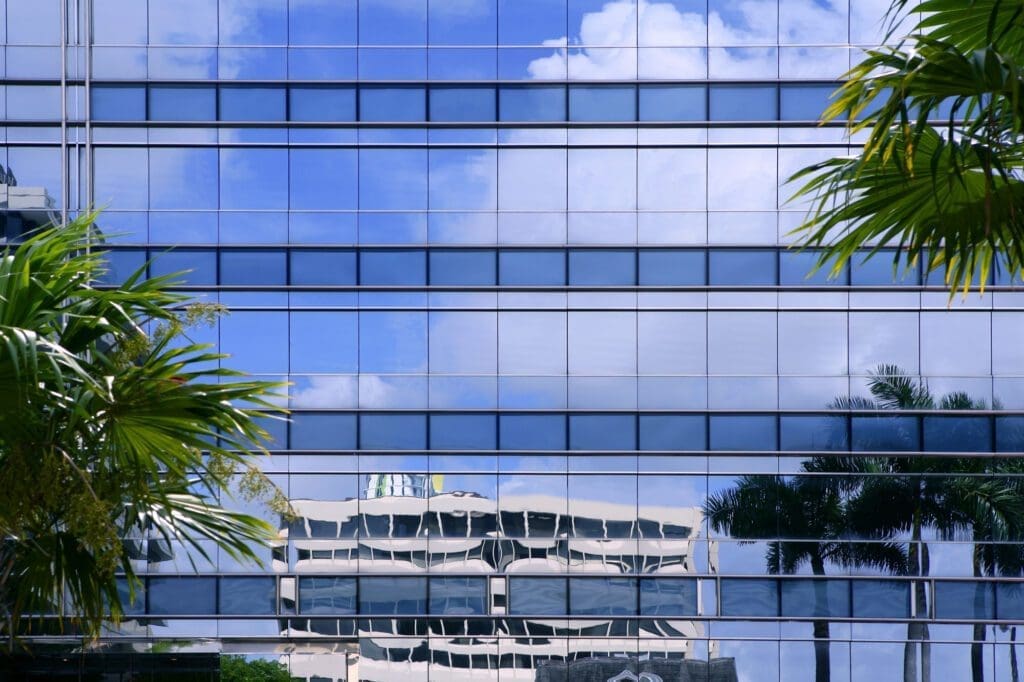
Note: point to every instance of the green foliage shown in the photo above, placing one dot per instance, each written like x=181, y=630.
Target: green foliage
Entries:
x=113, y=427
x=940, y=173
x=240, y=669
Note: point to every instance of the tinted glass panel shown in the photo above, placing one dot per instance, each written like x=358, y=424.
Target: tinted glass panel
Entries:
x=327, y=596
x=393, y=596
x=463, y=267
x=816, y=598
x=668, y=597
x=749, y=597
x=323, y=267
x=742, y=432
x=537, y=596
x=322, y=104
x=743, y=103
x=253, y=266
x=182, y=103
x=879, y=270
x=463, y=104
x=881, y=599
x=602, y=103
x=463, y=432
x=879, y=434
x=813, y=432
x=252, y=104
x=532, y=432
x=113, y=103
x=742, y=267
x=603, y=596
x=672, y=432
x=671, y=268
x=602, y=432
x=673, y=102
x=957, y=434
x=805, y=102
x=393, y=267
x=248, y=596
x=182, y=596
x=532, y=103
x=532, y=268
x=393, y=431
x=323, y=431
x=602, y=268
x=392, y=104
x=458, y=596
x=795, y=268
x=964, y=600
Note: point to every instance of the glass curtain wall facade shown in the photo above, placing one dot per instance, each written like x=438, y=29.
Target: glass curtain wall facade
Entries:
x=564, y=405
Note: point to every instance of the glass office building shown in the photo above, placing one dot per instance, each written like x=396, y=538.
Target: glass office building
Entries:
x=564, y=407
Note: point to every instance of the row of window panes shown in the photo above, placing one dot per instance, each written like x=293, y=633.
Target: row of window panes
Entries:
x=516, y=267
x=582, y=596
x=536, y=103
x=346, y=431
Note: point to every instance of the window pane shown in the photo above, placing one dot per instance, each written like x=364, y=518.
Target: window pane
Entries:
x=322, y=22
x=385, y=22
x=253, y=179
x=532, y=432
x=805, y=102
x=327, y=596
x=544, y=103
x=742, y=432
x=603, y=596
x=117, y=103
x=458, y=596
x=602, y=268
x=393, y=267
x=602, y=432
x=671, y=267
x=462, y=267
x=602, y=103
x=749, y=597
x=182, y=103
x=957, y=434
x=673, y=103
x=744, y=103
x=742, y=267
x=252, y=266
x=537, y=596
x=323, y=341
x=881, y=599
x=878, y=270
x=322, y=104
x=813, y=432
x=323, y=431
x=806, y=598
x=971, y=600
x=182, y=596
x=182, y=178
x=796, y=266
x=668, y=597
x=201, y=264
x=879, y=434
x=393, y=596
x=392, y=342
x=463, y=104
x=323, y=267
x=392, y=104
x=252, y=104
x=1010, y=601
x=532, y=268
x=248, y=596
x=393, y=431
x=322, y=179
x=672, y=432
x=463, y=432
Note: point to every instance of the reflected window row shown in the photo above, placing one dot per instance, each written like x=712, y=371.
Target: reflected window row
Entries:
x=472, y=267
x=375, y=103
x=344, y=431
x=610, y=596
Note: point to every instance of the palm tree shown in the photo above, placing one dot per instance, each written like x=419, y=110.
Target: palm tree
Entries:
x=940, y=173
x=804, y=521
x=112, y=426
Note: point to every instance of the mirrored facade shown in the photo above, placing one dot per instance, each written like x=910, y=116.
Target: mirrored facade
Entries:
x=565, y=406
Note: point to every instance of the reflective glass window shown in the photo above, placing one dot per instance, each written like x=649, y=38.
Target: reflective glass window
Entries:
x=671, y=267
x=200, y=264
x=534, y=267
x=323, y=267
x=603, y=596
x=253, y=266
x=805, y=102
x=673, y=103
x=879, y=270
x=183, y=178
x=813, y=432
x=322, y=179
x=393, y=431
x=399, y=596
x=795, y=270
x=957, y=434
x=741, y=267
x=327, y=595
x=672, y=432
x=311, y=103
x=753, y=432
x=184, y=596
x=1010, y=601
x=602, y=267
x=602, y=103
x=252, y=104
x=749, y=597
x=463, y=104
x=1010, y=434
x=247, y=596
x=182, y=103
x=33, y=102
x=814, y=597
x=385, y=22
x=322, y=22
x=393, y=267
x=602, y=432
x=668, y=597
x=533, y=432
x=190, y=22
x=880, y=434
x=973, y=600
x=463, y=342
x=532, y=343
x=392, y=179
x=532, y=180
x=532, y=103
x=392, y=342
x=244, y=22
x=537, y=596
x=473, y=23
x=458, y=596
x=118, y=103
x=881, y=599
x=253, y=179
x=323, y=341
x=744, y=102
x=462, y=267
x=323, y=431
x=463, y=432
x=122, y=264
x=392, y=104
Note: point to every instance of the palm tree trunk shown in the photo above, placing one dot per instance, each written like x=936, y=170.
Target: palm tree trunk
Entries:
x=822, y=645
x=922, y=612
x=917, y=630
x=1014, y=670
x=977, y=648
